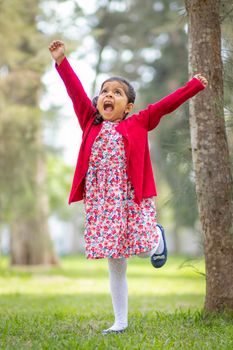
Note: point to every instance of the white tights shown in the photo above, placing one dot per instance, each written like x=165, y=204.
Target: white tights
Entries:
x=119, y=292
x=119, y=287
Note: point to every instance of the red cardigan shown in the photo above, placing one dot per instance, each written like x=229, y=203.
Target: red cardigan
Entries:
x=134, y=130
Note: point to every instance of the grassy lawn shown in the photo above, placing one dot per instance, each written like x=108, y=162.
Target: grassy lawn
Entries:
x=68, y=306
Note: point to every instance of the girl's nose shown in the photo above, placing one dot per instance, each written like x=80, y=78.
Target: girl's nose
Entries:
x=109, y=93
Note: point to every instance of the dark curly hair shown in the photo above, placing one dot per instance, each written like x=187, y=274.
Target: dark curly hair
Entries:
x=130, y=93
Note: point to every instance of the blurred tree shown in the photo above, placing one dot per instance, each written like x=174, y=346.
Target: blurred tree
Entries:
x=214, y=184
x=24, y=202
x=58, y=184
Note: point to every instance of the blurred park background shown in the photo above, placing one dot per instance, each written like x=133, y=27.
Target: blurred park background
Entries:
x=42, y=307
x=40, y=137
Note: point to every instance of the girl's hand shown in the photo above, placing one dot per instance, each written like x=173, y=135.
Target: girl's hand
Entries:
x=202, y=79
x=57, y=50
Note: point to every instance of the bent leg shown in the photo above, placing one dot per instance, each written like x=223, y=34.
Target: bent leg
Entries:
x=158, y=249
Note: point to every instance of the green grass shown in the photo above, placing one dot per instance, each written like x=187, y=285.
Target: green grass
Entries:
x=67, y=307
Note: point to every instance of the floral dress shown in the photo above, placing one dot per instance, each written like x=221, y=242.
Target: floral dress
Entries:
x=115, y=226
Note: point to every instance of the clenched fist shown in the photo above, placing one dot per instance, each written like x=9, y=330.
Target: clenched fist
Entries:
x=57, y=50
x=202, y=79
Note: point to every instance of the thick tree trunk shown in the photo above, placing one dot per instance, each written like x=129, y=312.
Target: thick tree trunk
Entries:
x=214, y=184
x=30, y=240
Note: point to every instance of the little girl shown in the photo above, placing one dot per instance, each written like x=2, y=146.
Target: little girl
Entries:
x=114, y=175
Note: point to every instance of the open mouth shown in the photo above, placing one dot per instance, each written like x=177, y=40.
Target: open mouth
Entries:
x=108, y=106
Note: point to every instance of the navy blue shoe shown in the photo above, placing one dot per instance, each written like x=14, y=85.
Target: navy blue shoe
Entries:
x=158, y=260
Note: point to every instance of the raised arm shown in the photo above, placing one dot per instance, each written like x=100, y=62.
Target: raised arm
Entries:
x=151, y=116
x=82, y=104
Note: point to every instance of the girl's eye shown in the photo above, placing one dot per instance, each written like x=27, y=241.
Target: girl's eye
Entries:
x=117, y=92
x=103, y=91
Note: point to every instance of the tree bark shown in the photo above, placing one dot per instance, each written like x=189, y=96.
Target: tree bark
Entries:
x=214, y=186
x=30, y=242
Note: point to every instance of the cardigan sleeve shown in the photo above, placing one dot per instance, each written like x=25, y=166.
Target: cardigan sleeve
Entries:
x=82, y=104
x=151, y=116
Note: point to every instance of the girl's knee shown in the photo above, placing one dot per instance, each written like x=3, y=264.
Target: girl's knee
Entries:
x=144, y=255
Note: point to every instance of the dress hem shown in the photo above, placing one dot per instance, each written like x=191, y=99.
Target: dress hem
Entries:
x=118, y=256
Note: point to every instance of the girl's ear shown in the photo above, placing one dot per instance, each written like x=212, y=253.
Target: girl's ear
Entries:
x=129, y=107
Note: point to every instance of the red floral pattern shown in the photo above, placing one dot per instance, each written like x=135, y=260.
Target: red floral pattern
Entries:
x=115, y=226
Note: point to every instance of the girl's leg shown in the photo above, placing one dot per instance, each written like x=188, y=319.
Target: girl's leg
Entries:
x=156, y=250
x=119, y=293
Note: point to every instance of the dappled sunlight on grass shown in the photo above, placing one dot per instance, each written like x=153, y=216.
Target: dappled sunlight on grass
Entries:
x=77, y=275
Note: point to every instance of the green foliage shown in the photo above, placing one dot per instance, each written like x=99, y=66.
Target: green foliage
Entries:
x=59, y=176
x=21, y=41
x=73, y=304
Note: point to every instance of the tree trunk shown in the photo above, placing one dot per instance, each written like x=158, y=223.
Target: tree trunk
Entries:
x=30, y=242
x=214, y=186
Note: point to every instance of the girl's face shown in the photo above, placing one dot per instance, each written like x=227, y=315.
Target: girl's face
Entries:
x=112, y=102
